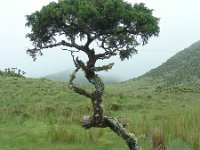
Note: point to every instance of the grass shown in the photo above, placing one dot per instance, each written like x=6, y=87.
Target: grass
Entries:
x=39, y=114
x=158, y=138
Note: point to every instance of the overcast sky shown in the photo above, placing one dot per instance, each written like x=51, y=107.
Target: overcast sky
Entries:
x=179, y=24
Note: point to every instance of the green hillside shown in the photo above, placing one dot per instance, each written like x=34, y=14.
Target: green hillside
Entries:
x=63, y=76
x=180, y=73
x=41, y=114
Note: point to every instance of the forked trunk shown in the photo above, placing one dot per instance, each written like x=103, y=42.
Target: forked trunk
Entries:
x=97, y=119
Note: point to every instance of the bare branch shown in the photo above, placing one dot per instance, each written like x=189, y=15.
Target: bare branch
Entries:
x=61, y=43
x=103, y=68
x=130, y=139
x=74, y=51
x=75, y=88
x=118, y=128
x=89, y=39
x=73, y=43
x=82, y=65
x=73, y=57
x=106, y=55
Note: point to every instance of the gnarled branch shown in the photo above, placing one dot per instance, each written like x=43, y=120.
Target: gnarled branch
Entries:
x=103, y=68
x=75, y=88
x=116, y=127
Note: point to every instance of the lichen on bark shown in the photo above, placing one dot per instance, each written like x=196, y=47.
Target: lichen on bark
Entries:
x=98, y=119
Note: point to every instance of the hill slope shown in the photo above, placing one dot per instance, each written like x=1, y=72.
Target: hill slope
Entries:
x=40, y=114
x=181, y=72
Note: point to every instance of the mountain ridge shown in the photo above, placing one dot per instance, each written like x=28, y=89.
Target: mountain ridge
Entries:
x=180, y=72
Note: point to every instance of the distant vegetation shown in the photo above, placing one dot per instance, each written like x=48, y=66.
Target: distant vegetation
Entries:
x=181, y=73
x=12, y=72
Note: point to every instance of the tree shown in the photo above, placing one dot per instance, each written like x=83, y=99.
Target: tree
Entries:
x=116, y=27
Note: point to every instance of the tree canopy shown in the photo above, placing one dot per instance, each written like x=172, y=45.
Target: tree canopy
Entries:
x=116, y=26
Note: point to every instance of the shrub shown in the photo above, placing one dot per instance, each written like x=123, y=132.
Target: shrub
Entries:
x=12, y=72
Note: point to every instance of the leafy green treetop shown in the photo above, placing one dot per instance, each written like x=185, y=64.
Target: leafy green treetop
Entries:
x=115, y=26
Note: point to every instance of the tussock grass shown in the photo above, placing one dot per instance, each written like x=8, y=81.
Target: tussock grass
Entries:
x=45, y=115
x=64, y=133
x=185, y=126
x=158, y=138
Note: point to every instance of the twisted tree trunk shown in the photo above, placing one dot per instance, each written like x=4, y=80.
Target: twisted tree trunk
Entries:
x=97, y=119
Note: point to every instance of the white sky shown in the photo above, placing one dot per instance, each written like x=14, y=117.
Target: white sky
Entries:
x=180, y=27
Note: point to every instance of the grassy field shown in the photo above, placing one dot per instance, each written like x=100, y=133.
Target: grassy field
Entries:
x=38, y=114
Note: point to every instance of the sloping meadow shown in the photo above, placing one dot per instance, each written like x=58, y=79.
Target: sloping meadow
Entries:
x=41, y=114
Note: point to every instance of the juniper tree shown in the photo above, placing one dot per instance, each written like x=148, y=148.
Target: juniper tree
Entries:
x=115, y=26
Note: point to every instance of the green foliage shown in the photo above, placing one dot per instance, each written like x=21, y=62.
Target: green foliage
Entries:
x=114, y=24
x=12, y=72
x=127, y=53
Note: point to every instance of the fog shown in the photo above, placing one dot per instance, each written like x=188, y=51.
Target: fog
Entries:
x=179, y=28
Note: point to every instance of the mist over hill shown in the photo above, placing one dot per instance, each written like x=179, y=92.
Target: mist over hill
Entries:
x=180, y=72
x=63, y=76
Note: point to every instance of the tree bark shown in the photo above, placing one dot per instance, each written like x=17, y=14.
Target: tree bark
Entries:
x=118, y=128
x=98, y=120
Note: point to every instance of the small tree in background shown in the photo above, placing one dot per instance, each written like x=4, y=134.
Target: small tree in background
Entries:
x=116, y=27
